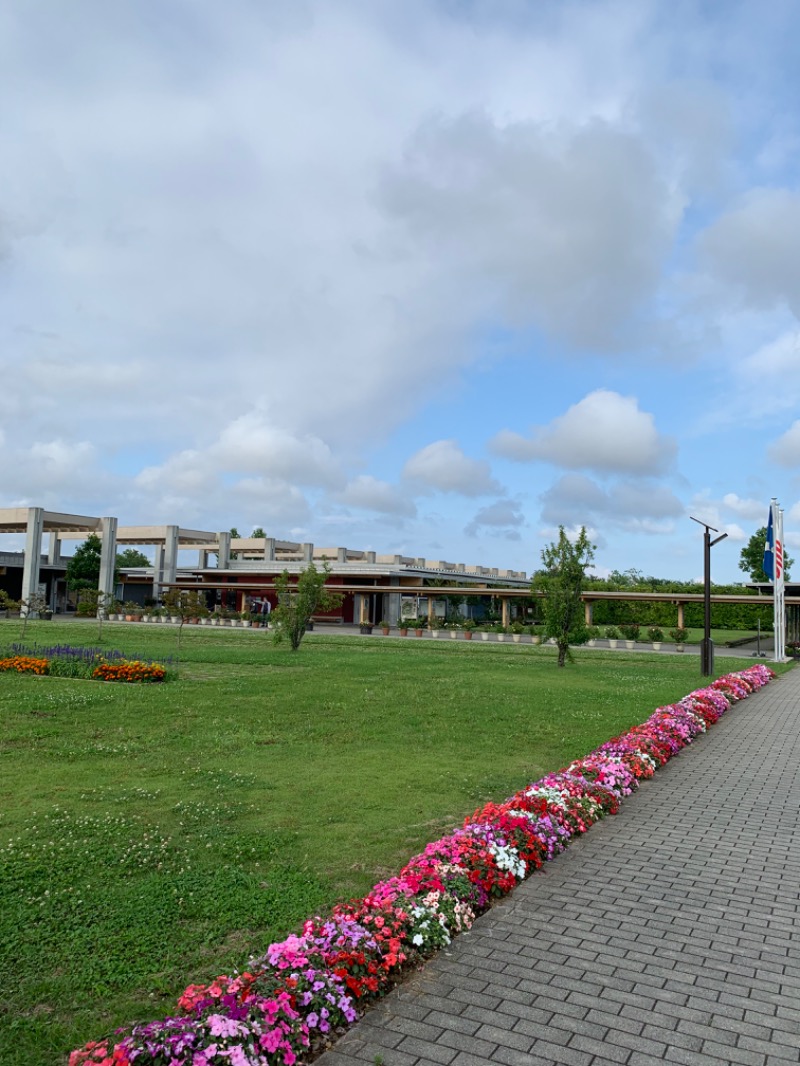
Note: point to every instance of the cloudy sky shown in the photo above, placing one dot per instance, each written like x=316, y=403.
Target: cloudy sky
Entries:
x=421, y=276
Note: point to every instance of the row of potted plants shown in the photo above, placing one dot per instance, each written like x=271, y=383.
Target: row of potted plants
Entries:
x=293, y=1000
x=130, y=612
x=464, y=627
x=631, y=634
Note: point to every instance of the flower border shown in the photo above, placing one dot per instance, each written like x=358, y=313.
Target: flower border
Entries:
x=291, y=1003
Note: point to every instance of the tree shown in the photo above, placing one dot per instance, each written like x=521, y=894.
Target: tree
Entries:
x=565, y=564
x=132, y=557
x=298, y=602
x=751, y=558
x=235, y=533
x=258, y=532
x=83, y=569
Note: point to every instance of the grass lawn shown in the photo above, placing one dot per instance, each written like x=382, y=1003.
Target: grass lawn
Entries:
x=155, y=835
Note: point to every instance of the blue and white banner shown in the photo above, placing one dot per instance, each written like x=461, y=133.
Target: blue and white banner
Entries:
x=773, y=568
x=769, y=549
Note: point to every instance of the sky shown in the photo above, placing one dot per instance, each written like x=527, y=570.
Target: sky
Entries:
x=429, y=277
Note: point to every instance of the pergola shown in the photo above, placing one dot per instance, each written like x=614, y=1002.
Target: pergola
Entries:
x=34, y=522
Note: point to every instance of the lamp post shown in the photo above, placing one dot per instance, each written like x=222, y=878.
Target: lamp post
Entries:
x=707, y=644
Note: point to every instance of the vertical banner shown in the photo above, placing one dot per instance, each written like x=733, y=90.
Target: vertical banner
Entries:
x=773, y=568
x=780, y=589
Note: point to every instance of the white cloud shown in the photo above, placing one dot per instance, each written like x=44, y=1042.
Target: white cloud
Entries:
x=443, y=466
x=752, y=249
x=372, y=494
x=604, y=432
x=250, y=443
x=576, y=500
x=563, y=226
x=502, y=517
x=754, y=510
x=786, y=449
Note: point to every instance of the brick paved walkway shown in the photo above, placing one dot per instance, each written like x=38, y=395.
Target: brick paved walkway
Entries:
x=668, y=933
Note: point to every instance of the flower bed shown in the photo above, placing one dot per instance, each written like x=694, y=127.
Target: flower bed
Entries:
x=291, y=1002
x=63, y=660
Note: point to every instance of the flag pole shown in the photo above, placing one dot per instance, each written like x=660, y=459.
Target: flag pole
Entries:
x=781, y=619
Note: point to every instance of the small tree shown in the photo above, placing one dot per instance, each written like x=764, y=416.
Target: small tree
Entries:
x=83, y=569
x=297, y=603
x=565, y=564
x=751, y=558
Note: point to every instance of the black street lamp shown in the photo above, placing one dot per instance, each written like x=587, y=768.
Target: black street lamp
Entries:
x=707, y=644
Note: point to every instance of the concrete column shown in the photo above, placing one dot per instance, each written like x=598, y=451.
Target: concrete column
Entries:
x=391, y=601
x=158, y=571
x=371, y=557
x=33, y=554
x=341, y=555
x=224, y=553
x=54, y=548
x=680, y=616
x=269, y=549
x=171, y=555
x=108, y=557
x=588, y=612
x=308, y=553
x=202, y=559
x=504, y=608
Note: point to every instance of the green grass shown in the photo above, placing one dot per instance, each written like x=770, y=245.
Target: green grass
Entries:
x=155, y=835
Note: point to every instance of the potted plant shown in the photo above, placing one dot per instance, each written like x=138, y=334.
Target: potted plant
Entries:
x=517, y=629
x=468, y=625
x=365, y=627
x=386, y=627
x=419, y=627
x=630, y=631
x=679, y=635
x=656, y=637
x=501, y=632
x=484, y=629
x=612, y=636
x=592, y=633
x=245, y=619
x=403, y=627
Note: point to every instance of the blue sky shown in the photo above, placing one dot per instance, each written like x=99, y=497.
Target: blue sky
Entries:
x=422, y=277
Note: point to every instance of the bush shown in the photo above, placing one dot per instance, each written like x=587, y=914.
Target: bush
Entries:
x=655, y=634
x=630, y=630
x=679, y=635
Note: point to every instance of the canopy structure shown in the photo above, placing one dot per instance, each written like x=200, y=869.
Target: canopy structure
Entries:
x=34, y=522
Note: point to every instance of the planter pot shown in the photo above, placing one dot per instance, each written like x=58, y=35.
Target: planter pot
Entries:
x=612, y=643
x=245, y=624
x=453, y=634
x=516, y=637
x=536, y=639
x=403, y=631
x=435, y=633
x=174, y=619
x=656, y=645
x=419, y=632
x=213, y=621
x=501, y=637
x=591, y=643
x=365, y=628
x=484, y=636
x=203, y=621
x=467, y=634
x=630, y=644
x=680, y=647
x=385, y=630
